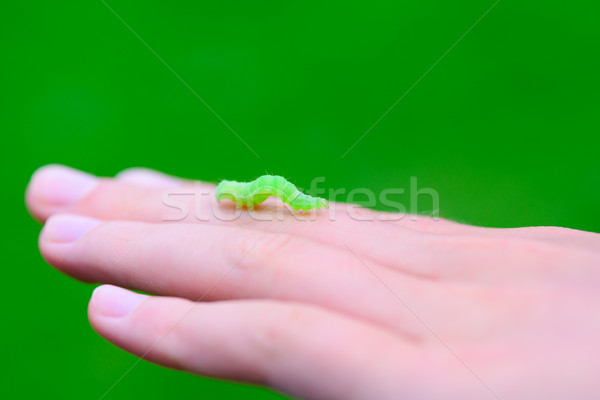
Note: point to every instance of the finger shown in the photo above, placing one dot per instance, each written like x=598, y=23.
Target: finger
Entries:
x=417, y=271
x=304, y=351
x=217, y=263
x=56, y=188
x=433, y=224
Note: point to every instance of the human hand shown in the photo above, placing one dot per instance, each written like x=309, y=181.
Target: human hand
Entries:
x=328, y=308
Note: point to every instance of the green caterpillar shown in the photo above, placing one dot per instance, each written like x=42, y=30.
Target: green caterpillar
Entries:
x=252, y=193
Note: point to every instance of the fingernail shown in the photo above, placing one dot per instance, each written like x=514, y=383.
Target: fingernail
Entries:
x=68, y=228
x=61, y=186
x=115, y=302
x=148, y=178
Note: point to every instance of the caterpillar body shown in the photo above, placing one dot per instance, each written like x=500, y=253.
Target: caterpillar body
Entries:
x=252, y=193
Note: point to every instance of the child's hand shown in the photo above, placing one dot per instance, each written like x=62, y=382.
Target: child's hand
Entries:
x=328, y=308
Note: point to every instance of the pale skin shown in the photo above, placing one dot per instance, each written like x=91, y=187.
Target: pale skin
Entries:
x=329, y=309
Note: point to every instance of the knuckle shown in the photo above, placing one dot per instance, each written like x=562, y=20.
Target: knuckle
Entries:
x=125, y=173
x=508, y=249
x=545, y=231
x=274, y=245
x=155, y=322
x=518, y=249
x=101, y=199
x=238, y=248
x=252, y=250
x=279, y=327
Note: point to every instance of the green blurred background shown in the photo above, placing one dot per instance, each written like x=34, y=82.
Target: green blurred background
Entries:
x=505, y=128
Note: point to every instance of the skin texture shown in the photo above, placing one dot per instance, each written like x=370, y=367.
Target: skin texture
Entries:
x=328, y=308
x=249, y=194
